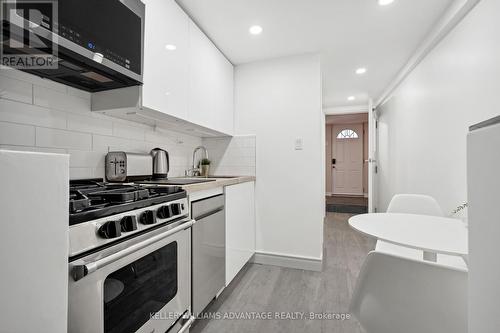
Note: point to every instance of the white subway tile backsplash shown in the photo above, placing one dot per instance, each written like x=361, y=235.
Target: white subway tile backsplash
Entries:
x=15, y=90
x=58, y=100
x=99, y=173
x=32, y=79
x=232, y=156
x=31, y=114
x=41, y=115
x=81, y=173
x=85, y=123
x=17, y=148
x=86, y=159
x=55, y=138
x=16, y=134
x=104, y=143
x=78, y=93
x=124, y=130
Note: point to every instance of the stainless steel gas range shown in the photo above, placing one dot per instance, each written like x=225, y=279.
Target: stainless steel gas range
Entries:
x=130, y=258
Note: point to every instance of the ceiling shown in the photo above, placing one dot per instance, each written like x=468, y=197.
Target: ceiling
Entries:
x=347, y=33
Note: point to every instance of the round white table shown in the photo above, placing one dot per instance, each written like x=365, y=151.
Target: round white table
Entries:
x=432, y=234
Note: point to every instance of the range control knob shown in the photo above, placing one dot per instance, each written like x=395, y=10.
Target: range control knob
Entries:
x=164, y=212
x=110, y=229
x=176, y=209
x=128, y=223
x=147, y=217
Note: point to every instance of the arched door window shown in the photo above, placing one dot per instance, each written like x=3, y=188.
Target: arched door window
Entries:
x=347, y=134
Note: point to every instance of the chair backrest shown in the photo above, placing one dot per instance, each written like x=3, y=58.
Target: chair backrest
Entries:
x=395, y=295
x=414, y=204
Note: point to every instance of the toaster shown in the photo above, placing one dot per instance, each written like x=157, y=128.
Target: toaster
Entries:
x=123, y=166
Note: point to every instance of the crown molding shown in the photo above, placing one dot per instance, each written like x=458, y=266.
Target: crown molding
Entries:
x=453, y=16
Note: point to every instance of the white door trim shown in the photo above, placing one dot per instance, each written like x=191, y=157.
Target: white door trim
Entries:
x=372, y=158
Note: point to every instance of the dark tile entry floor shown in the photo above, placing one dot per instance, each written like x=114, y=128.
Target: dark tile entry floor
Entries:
x=347, y=204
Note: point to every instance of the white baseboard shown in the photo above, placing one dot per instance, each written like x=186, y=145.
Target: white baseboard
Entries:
x=329, y=194
x=275, y=259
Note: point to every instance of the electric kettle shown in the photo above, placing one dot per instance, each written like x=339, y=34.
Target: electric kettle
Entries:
x=160, y=163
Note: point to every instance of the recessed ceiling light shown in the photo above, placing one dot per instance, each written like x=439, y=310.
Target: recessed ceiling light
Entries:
x=351, y=98
x=255, y=30
x=167, y=93
x=361, y=70
x=385, y=2
x=171, y=47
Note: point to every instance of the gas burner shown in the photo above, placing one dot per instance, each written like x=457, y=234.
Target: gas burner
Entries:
x=92, y=199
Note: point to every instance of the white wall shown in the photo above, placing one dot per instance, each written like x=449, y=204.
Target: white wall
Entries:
x=279, y=101
x=41, y=115
x=423, y=127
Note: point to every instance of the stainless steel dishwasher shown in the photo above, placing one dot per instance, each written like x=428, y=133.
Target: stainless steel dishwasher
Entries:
x=209, y=250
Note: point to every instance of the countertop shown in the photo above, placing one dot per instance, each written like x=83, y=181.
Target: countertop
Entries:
x=219, y=182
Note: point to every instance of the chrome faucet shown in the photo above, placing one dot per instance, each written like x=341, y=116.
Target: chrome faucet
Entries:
x=195, y=170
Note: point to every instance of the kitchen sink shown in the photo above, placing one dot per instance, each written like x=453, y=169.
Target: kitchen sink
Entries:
x=187, y=181
x=179, y=181
x=224, y=177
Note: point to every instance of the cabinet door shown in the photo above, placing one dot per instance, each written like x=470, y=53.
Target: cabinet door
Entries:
x=240, y=227
x=203, y=81
x=224, y=96
x=166, y=71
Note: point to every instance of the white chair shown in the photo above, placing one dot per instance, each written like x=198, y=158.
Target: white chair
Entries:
x=396, y=295
x=414, y=204
x=422, y=205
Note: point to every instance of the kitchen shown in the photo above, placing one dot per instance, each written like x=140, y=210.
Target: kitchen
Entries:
x=190, y=137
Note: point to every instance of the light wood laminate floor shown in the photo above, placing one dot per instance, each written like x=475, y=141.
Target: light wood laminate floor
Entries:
x=262, y=288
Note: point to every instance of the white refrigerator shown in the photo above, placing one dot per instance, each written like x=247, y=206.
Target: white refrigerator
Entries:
x=483, y=178
x=34, y=195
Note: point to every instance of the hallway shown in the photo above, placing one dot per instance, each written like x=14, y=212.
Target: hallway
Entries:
x=262, y=289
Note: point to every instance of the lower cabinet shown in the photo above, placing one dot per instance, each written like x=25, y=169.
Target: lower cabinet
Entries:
x=240, y=227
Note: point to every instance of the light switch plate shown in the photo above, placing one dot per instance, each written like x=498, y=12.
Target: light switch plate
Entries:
x=298, y=144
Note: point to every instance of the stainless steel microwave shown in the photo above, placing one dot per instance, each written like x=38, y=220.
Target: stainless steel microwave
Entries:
x=97, y=44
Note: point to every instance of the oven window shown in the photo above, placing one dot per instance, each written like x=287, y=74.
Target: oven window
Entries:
x=140, y=289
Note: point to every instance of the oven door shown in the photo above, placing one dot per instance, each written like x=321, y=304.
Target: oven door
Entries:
x=141, y=285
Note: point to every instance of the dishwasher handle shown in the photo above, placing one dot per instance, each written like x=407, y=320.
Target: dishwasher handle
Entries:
x=207, y=214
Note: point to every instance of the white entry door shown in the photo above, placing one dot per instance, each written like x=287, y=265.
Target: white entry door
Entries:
x=348, y=156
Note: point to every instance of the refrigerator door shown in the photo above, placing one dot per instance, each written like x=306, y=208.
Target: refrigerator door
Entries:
x=34, y=242
x=483, y=164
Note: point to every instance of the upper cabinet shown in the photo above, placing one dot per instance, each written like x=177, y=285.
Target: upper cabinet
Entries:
x=187, y=80
x=202, y=77
x=166, y=69
x=210, y=83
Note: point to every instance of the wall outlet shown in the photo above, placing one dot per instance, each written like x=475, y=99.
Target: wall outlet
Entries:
x=299, y=144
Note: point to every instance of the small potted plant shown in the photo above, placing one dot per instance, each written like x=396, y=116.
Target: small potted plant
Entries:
x=205, y=167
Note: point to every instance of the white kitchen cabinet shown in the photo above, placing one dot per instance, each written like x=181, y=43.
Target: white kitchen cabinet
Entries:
x=224, y=101
x=166, y=71
x=202, y=77
x=210, y=84
x=189, y=88
x=240, y=227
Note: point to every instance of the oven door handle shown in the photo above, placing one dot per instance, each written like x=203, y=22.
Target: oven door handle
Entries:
x=187, y=325
x=80, y=271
